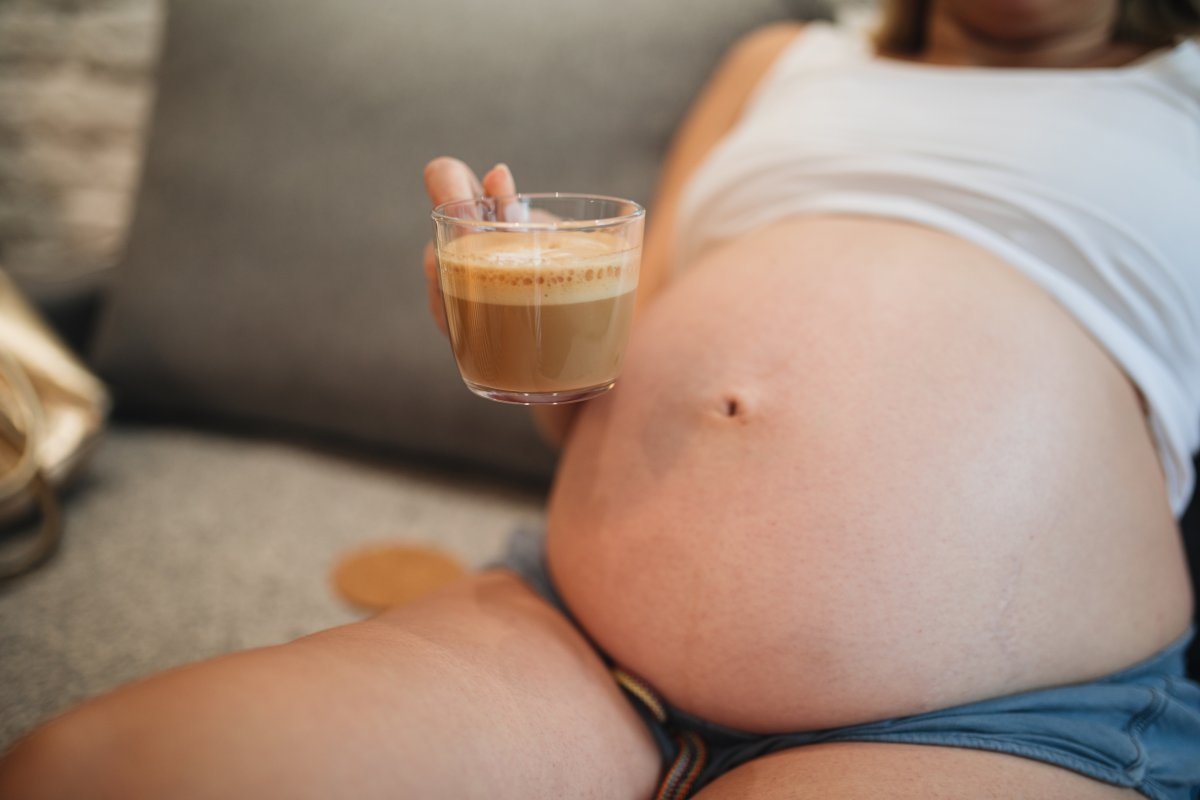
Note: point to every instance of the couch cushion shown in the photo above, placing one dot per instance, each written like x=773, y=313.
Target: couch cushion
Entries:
x=274, y=267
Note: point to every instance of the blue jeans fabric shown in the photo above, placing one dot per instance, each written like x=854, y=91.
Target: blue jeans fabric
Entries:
x=1138, y=728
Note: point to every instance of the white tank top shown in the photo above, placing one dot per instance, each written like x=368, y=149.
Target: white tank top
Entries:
x=1086, y=180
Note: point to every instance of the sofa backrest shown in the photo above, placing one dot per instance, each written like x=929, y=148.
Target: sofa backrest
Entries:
x=273, y=274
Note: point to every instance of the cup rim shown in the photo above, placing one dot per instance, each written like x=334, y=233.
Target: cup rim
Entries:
x=439, y=213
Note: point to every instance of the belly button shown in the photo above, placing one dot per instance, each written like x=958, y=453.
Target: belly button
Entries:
x=732, y=406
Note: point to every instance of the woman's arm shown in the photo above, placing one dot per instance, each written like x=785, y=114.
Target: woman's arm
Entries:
x=711, y=116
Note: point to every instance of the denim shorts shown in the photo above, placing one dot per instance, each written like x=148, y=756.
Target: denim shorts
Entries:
x=1138, y=728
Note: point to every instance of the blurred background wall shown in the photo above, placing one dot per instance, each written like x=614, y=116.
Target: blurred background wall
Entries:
x=75, y=91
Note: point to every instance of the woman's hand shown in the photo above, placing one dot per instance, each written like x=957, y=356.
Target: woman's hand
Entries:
x=449, y=179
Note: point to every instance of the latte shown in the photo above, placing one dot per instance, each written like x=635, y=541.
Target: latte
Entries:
x=537, y=315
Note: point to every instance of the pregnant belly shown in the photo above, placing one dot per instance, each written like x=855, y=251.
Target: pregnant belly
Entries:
x=857, y=469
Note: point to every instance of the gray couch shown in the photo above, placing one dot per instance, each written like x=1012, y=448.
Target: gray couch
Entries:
x=283, y=396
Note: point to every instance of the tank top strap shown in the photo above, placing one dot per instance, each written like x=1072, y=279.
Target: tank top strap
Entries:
x=1180, y=69
x=819, y=47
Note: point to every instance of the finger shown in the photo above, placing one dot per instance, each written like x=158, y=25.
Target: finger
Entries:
x=433, y=289
x=449, y=179
x=499, y=181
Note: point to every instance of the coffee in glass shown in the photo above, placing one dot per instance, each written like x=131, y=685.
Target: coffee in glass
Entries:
x=539, y=292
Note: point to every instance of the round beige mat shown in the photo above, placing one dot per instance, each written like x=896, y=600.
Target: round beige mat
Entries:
x=390, y=575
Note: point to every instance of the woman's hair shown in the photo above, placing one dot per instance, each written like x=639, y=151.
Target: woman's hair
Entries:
x=1154, y=23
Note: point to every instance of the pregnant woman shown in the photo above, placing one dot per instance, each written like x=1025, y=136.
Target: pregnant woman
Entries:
x=884, y=504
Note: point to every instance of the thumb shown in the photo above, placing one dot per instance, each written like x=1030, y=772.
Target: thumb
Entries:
x=498, y=182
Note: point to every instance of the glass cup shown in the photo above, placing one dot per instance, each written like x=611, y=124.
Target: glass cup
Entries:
x=539, y=292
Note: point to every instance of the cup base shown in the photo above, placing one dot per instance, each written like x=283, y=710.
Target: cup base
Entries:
x=540, y=398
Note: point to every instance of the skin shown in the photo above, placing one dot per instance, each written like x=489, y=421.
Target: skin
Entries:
x=848, y=594
x=1026, y=34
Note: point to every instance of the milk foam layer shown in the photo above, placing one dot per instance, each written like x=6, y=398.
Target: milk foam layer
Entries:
x=555, y=267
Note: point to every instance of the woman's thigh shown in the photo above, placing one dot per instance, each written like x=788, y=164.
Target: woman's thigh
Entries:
x=869, y=771
x=482, y=690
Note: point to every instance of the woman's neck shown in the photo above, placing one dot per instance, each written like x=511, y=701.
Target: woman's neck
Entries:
x=952, y=41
